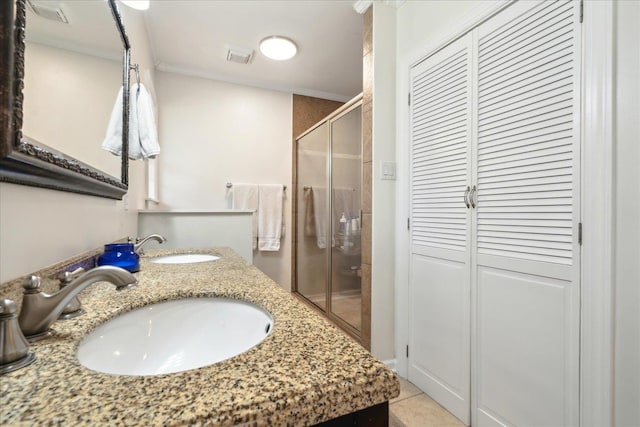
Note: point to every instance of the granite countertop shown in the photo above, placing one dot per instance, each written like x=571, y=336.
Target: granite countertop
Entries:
x=305, y=372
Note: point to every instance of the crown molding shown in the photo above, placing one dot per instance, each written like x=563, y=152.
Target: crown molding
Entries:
x=203, y=74
x=361, y=6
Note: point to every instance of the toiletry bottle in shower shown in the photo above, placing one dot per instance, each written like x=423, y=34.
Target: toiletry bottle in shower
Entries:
x=342, y=232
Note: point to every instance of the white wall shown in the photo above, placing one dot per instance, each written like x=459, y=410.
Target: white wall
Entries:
x=421, y=28
x=627, y=229
x=41, y=227
x=62, y=87
x=383, y=191
x=215, y=132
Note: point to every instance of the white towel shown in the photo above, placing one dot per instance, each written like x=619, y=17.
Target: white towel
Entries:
x=270, y=217
x=146, y=118
x=246, y=196
x=113, y=139
x=320, y=215
x=309, y=212
x=343, y=203
x=143, y=135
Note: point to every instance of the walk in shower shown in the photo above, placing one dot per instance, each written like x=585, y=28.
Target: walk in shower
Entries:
x=328, y=261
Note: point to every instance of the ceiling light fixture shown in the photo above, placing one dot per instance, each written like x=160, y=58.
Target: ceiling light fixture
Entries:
x=137, y=4
x=278, y=48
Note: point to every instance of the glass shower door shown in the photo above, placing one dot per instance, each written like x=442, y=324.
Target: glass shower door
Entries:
x=346, y=180
x=313, y=228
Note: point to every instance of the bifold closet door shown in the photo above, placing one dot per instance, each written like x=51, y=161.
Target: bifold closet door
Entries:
x=525, y=271
x=439, y=289
x=494, y=254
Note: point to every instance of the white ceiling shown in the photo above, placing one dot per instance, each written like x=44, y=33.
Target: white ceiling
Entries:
x=91, y=29
x=192, y=37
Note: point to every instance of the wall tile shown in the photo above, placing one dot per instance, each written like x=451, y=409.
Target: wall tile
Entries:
x=366, y=306
x=367, y=77
x=366, y=238
x=367, y=36
x=367, y=141
x=366, y=186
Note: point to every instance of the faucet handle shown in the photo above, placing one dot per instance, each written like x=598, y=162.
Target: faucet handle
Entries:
x=32, y=284
x=14, y=348
x=7, y=308
x=74, y=308
x=68, y=276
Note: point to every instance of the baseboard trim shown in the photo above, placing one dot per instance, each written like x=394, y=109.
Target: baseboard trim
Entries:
x=391, y=364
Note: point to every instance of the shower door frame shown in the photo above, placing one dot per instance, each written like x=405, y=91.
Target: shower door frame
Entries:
x=365, y=285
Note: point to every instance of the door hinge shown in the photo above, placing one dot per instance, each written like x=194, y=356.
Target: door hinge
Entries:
x=407, y=351
x=409, y=98
x=408, y=223
x=581, y=11
x=580, y=233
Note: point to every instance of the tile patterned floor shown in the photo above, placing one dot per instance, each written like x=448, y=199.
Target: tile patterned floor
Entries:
x=413, y=408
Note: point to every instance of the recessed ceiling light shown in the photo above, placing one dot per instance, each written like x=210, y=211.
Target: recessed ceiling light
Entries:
x=278, y=48
x=137, y=4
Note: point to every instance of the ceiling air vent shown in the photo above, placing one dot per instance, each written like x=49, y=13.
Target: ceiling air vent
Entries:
x=47, y=11
x=239, y=54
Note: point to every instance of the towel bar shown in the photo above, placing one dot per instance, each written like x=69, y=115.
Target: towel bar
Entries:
x=230, y=184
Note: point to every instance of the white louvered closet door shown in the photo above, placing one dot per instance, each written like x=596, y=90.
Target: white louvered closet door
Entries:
x=439, y=313
x=525, y=272
x=494, y=273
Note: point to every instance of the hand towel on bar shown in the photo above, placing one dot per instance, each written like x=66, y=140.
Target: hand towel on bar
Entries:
x=320, y=215
x=135, y=151
x=309, y=214
x=270, y=217
x=245, y=196
x=143, y=139
x=343, y=203
x=146, y=117
x=113, y=138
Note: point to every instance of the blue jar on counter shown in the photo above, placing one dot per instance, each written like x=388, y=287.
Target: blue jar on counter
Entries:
x=120, y=255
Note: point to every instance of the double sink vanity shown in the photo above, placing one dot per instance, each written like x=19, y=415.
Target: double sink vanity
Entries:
x=285, y=365
x=122, y=364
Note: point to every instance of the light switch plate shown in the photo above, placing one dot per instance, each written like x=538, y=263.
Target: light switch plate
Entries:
x=388, y=170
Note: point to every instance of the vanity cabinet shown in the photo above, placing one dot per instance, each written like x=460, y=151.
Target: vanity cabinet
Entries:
x=305, y=371
x=374, y=416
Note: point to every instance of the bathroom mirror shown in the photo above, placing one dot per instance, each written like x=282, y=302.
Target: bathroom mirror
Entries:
x=54, y=153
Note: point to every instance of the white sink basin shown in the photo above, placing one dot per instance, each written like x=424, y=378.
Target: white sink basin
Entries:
x=174, y=336
x=184, y=258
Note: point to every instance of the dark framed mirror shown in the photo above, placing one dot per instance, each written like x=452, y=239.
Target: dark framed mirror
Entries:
x=33, y=161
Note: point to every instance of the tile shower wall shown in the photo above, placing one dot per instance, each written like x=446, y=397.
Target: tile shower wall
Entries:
x=367, y=159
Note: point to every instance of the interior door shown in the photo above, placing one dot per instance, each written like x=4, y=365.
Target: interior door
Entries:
x=525, y=281
x=439, y=312
x=495, y=285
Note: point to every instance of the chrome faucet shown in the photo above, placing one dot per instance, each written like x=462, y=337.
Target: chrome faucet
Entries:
x=40, y=310
x=139, y=242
